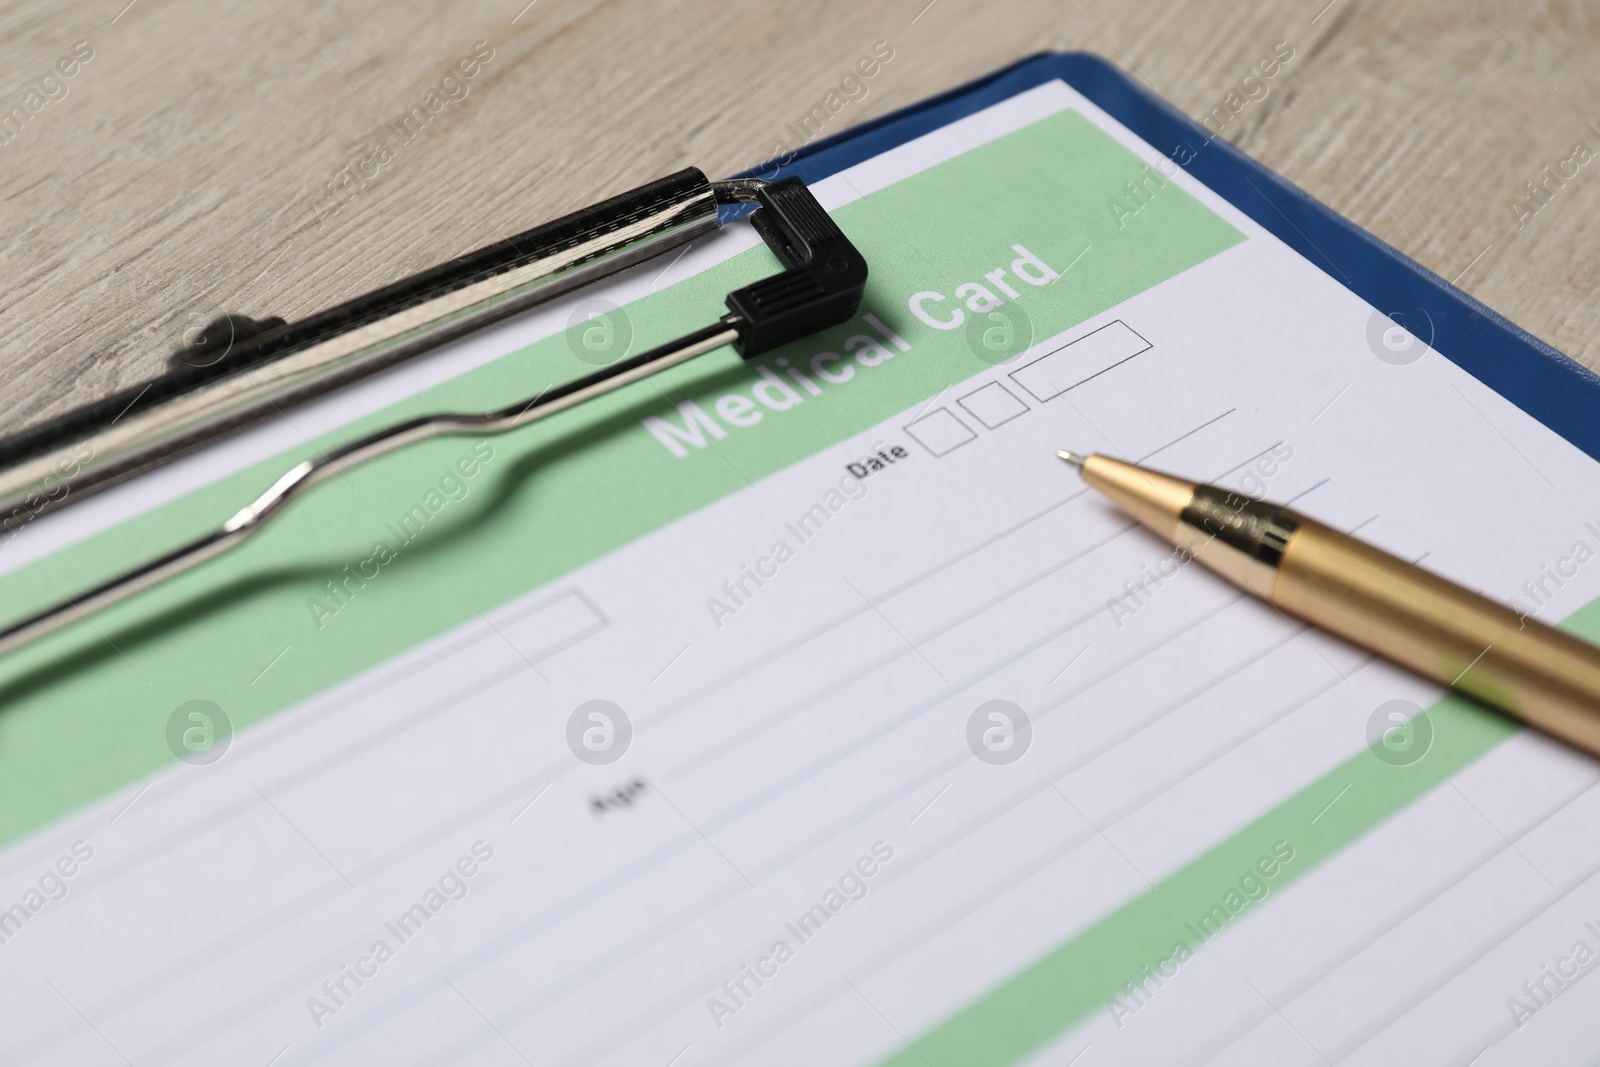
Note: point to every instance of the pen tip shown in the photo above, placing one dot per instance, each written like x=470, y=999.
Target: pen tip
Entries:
x=1072, y=457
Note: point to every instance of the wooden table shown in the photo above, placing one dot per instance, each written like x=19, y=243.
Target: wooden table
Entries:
x=277, y=156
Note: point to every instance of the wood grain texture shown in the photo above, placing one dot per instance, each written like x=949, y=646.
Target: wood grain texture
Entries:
x=181, y=173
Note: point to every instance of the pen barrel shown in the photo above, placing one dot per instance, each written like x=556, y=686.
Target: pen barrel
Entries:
x=1451, y=635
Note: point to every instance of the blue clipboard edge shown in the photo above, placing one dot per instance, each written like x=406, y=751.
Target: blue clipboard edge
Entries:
x=1550, y=386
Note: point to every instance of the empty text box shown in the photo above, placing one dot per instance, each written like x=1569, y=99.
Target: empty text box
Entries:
x=939, y=431
x=993, y=405
x=1077, y=361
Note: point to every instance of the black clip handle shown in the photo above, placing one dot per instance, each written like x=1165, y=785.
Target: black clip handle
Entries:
x=824, y=282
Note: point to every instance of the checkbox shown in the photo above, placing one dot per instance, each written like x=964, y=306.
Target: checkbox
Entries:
x=993, y=405
x=940, y=432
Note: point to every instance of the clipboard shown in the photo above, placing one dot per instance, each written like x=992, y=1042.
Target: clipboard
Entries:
x=1537, y=378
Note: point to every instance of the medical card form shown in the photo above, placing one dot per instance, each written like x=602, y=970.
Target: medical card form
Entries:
x=812, y=711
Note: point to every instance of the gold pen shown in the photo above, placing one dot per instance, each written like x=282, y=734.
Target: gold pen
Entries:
x=1395, y=609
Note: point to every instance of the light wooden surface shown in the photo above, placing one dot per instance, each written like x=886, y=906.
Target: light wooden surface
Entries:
x=180, y=173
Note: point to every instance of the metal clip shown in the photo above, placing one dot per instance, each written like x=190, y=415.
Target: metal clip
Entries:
x=821, y=287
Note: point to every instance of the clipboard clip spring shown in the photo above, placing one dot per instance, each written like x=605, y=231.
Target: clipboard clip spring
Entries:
x=821, y=286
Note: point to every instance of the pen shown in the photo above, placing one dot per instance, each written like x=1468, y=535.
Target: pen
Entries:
x=1379, y=602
